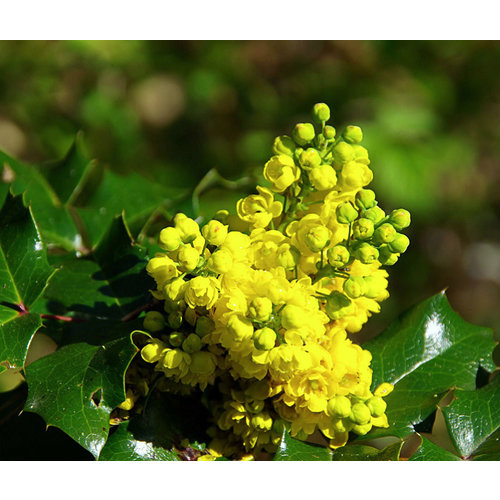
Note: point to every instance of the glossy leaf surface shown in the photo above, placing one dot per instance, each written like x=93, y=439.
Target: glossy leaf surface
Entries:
x=357, y=452
x=430, y=451
x=291, y=449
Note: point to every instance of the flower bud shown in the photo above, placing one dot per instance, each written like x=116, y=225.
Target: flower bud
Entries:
x=188, y=228
x=362, y=229
x=338, y=256
x=154, y=321
x=375, y=286
x=202, y=292
x=128, y=404
x=354, y=287
x=317, y=238
x=221, y=261
x=323, y=177
x=310, y=158
x=353, y=134
x=343, y=153
x=175, y=289
x=264, y=339
x=361, y=430
x=384, y=233
x=204, y=326
x=387, y=258
x=191, y=344
x=170, y=239
x=202, y=363
x=360, y=414
x=366, y=253
x=321, y=112
x=288, y=256
x=303, y=133
x=188, y=258
x=329, y=132
x=284, y=145
x=175, y=339
x=240, y=327
x=190, y=316
x=375, y=214
x=377, y=406
x=255, y=406
x=293, y=317
x=346, y=213
x=365, y=199
x=339, y=407
x=400, y=219
x=338, y=305
x=151, y=352
x=262, y=421
x=360, y=154
x=399, y=244
x=214, y=232
x=261, y=308
x=175, y=319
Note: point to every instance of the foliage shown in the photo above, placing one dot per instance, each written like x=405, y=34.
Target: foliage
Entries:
x=72, y=269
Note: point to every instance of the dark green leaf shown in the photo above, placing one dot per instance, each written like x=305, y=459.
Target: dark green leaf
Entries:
x=430, y=451
x=122, y=445
x=474, y=416
x=77, y=387
x=427, y=351
x=292, y=449
x=109, y=283
x=355, y=452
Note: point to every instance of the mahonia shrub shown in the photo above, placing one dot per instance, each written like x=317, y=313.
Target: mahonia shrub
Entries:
x=255, y=307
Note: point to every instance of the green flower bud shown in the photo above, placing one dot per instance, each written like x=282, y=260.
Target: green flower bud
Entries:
x=329, y=133
x=202, y=363
x=346, y=213
x=375, y=214
x=191, y=344
x=258, y=390
x=175, y=339
x=338, y=305
x=399, y=244
x=303, y=133
x=338, y=256
x=362, y=229
x=310, y=158
x=360, y=414
x=384, y=233
x=339, y=407
x=255, y=406
x=365, y=199
x=366, y=253
x=353, y=134
x=321, y=112
x=284, y=145
x=354, y=287
x=317, y=238
x=343, y=153
x=204, y=326
x=361, y=154
x=376, y=406
x=175, y=319
x=264, y=339
x=154, y=321
x=400, y=219
x=387, y=257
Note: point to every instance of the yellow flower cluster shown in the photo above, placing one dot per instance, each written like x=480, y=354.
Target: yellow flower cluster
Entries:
x=263, y=314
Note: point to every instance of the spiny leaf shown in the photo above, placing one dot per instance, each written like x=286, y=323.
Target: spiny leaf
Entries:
x=292, y=449
x=430, y=451
x=472, y=417
x=355, y=452
x=426, y=352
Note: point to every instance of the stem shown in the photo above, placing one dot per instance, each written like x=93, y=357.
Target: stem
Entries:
x=68, y=319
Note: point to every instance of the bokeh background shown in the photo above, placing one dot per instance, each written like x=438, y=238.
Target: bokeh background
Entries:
x=174, y=110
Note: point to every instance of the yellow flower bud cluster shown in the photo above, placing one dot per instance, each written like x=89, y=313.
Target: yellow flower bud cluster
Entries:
x=263, y=313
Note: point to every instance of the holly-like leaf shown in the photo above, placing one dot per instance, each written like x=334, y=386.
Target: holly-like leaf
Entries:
x=473, y=418
x=108, y=283
x=122, y=445
x=430, y=451
x=357, y=452
x=24, y=273
x=291, y=449
x=426, y=352
x=77, y=387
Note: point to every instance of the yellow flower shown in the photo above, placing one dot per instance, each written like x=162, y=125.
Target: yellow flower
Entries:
x=282, y=172
x=201, y=292
x=215, y=232
x=259, y=209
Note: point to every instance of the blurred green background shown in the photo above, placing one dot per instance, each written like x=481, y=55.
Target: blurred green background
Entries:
x=173, y=110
